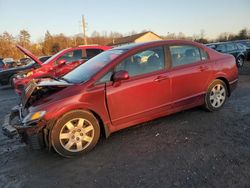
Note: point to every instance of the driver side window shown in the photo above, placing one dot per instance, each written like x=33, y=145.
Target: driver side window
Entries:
x=144, y=62
x=71, y=56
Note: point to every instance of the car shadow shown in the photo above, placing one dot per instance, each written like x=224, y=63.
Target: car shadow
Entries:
x=6, y=87
x=245, y=70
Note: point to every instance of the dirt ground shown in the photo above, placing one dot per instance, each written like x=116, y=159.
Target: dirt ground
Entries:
x=193, y=148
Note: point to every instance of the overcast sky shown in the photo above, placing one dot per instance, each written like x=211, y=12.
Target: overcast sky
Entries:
x=160, y=16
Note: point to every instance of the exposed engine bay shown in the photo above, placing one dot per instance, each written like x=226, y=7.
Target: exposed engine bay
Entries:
x=38, y=89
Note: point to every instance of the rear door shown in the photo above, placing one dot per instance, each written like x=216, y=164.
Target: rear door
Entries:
x=146, y=93
x=232, y=49
x=190, y=74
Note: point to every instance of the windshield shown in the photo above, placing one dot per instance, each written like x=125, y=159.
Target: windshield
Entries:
x=30, y=63
x=85, y=71
x=52, y=57
x=211, y=46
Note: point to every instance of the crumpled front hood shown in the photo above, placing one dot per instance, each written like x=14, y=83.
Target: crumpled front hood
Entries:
x=37, y=89
x=52, y=82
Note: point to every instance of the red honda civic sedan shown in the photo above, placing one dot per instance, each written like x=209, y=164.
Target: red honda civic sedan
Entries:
x=120, y=88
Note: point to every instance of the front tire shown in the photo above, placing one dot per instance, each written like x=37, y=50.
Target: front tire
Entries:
x=216, y=95
x=75, y=133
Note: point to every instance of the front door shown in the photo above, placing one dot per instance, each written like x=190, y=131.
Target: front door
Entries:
x=146, y=93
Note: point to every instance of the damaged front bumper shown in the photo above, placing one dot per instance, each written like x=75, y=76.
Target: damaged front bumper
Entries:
x=32, y=133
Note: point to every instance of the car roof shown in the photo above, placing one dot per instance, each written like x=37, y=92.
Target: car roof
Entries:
x=227, y=42
x=87, y=47
x=158, y=42
x=91, y=47
x=217, y=43
x=44, y=56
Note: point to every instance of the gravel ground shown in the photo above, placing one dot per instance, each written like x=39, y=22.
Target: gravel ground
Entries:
x=192, y=148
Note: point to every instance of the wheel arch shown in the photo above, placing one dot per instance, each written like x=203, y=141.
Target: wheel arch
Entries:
x=227, y=84
x=241, y=55
x=104, y=128
x=50, y=124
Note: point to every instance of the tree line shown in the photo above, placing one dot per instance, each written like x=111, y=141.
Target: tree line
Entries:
x=52, y=44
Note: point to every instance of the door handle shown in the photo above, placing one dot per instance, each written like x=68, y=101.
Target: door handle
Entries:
x=203, y=68
x=160, y=78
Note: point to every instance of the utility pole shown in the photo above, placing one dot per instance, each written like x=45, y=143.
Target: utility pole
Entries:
x=84, y=30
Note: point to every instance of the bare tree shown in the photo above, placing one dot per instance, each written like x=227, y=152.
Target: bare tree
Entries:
x=24, y=38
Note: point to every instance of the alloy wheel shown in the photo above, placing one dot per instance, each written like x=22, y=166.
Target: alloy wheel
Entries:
x=217, y=95
x=76, y=135
x=240, y=62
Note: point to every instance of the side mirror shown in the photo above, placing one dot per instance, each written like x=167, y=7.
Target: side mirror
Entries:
x=62, y=62
x=120, y=75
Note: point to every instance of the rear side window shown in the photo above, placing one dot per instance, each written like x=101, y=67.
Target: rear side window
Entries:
x=204, y=55
x=93, y=52
x=186, y=54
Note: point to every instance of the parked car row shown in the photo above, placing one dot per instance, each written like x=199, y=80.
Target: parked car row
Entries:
x=118, y=88
x=7, y=75
x=52, y=66
x=23, y=61
x=6, y=63
x=58, y=65
x=2, y=64
x=239, y=49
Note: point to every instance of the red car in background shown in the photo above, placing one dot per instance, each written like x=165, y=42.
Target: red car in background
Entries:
x=58, y=65
x=120, y=88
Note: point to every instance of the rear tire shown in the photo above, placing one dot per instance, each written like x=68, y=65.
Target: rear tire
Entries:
x=240, y=61
x=75, y=133
x=216, y=95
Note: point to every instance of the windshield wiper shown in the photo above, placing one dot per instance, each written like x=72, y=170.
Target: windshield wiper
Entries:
x=55, y=78
x=64, y=79
x=49, y=76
